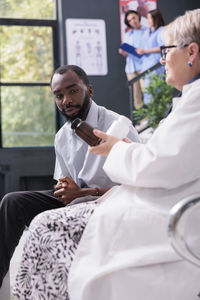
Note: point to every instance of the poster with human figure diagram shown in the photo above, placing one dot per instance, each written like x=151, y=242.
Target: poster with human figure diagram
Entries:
x=86, y=45
x=141, y=6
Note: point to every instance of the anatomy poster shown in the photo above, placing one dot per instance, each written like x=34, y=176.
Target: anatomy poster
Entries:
x=142, y=6
x=86, y=45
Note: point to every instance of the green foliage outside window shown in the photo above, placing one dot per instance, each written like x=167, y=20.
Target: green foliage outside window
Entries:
x=27, y=112
x=26, y=53
x=27, y=9
x=28, y=116
x=161, y=99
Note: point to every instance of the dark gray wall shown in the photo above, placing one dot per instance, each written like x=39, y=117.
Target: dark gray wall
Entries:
x=26, y=169
x=173, y=8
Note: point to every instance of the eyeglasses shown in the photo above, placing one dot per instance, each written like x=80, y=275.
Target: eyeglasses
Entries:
x=165, y=50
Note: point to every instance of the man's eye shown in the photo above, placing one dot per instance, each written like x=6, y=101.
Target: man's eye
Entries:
x=74, y=91
x=59, y=97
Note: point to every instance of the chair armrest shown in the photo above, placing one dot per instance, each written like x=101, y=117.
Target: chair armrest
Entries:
x=184, y=228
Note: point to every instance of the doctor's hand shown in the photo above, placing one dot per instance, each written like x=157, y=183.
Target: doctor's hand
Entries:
x=67, y=190
x=103, y=148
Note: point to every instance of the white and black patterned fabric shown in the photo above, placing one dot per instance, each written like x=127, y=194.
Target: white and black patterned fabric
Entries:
x=49, y=251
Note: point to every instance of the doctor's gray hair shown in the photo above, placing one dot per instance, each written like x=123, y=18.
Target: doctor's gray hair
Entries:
x=184, y=29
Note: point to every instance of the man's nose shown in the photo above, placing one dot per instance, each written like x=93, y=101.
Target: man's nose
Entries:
x=67, y=100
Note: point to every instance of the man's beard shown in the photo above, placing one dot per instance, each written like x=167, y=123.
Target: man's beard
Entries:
x=82, y=114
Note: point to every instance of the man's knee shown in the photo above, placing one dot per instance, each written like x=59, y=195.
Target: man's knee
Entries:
x=10, y=199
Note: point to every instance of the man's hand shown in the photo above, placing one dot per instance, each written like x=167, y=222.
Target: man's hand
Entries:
x=67, y=190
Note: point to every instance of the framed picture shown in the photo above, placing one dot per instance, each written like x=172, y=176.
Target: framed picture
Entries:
x=86, y=45
x=141, y=6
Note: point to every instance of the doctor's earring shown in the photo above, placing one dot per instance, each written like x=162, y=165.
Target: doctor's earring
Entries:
x=189, y=63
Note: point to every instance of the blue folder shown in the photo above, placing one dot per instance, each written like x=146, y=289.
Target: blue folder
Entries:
x=130, y=49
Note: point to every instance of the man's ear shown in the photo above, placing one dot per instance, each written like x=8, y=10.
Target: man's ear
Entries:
x=193, y=51
x=90, y=90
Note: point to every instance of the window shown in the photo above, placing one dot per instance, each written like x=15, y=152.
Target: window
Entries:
x=32, y=9
x=28, y=55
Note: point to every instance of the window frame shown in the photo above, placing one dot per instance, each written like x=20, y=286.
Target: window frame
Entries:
x=55, y=47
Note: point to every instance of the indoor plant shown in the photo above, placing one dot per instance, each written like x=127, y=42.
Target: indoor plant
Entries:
x=161, y=99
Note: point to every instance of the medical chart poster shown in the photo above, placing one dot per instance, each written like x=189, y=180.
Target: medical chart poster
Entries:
x=86, y=45
x=141, y=6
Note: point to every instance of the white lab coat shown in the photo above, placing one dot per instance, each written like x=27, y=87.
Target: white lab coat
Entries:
x=124, y=252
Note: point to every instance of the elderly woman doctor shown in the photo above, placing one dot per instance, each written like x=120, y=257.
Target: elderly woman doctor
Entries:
x=124, y=252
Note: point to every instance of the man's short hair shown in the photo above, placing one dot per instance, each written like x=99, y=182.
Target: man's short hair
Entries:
x=80, y=72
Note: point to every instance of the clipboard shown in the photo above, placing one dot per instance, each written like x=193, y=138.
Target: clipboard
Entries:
x=130, y=49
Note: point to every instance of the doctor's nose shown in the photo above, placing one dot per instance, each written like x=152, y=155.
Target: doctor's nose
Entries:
x=162, y=61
